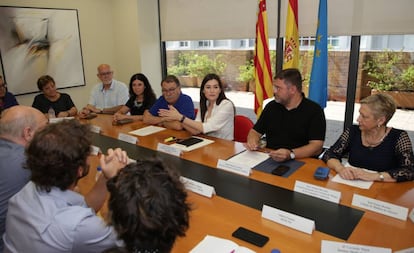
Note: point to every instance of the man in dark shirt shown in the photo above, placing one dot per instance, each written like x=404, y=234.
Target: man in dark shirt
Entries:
x=294, y=125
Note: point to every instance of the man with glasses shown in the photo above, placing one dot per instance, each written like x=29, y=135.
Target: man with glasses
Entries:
x=171, y=95
x=7, y=99
x=294, y=125
x=107, y=96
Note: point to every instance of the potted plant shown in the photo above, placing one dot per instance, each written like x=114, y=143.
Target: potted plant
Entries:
x=181, y=69
x=246, y=72
x=201, y=65
x=246, y=75
x=389, y=75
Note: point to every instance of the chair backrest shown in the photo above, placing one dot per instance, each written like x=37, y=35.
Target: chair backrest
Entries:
x=242, y=126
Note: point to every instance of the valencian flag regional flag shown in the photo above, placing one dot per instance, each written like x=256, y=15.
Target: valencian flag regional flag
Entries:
x=291, y=51
x=262, y=66
x=318, y=85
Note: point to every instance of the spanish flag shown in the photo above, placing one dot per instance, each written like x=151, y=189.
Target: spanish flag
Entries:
x=291, y=51
x=263, y=71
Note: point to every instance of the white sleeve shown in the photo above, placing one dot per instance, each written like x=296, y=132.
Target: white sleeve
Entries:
x=222, y=115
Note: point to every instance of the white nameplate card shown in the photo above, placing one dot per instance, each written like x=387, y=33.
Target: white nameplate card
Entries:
x=197, y=187
x=95, y=150
x=169, y=149
x=339, y=247
x=409, y=250
x=95, y=129
x=288, y=219
x=412, y=215
x=234, y=167
x=56, y=120
x=381, y=207
x=127, y=138
x=317, y=192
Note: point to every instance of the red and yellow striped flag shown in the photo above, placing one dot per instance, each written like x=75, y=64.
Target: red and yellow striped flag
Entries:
x=262, y=66
x=291, y=52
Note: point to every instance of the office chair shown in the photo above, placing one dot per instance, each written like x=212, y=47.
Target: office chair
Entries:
x=242, y=126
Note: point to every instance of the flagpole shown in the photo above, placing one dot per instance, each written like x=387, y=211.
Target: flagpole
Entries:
x=279, y=41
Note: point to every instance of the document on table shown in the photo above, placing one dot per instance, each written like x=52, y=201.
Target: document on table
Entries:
x=249, y=158
x=212, y=244
x=356, y=183
x=147, y=130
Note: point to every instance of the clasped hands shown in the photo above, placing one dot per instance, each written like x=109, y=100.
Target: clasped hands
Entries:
x=354, y=173
x=279, y=155
x=115, y=160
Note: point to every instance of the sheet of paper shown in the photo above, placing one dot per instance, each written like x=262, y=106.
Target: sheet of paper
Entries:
x=249, y=158
x=147, y=130
x=355, y=183
x=213, y=244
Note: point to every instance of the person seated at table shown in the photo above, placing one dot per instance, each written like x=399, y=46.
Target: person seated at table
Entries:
x=216, y=114
x=7, y=99
x=148, y=207
x=374, y=146
x=108, y=96
x=141, y=98
x=294, y=125
x=171, y=95
x=61, y=103
x=48, y=215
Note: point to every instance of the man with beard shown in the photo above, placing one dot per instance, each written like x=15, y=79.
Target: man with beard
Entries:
x=294, y=125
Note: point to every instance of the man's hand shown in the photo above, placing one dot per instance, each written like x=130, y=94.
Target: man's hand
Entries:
x=113, y=162
x=280, y=155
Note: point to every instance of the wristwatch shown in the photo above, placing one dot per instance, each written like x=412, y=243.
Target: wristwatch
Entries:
x=292, y=154
x=381, y=176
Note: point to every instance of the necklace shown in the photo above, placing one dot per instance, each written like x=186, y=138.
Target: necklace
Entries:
x=372, y=144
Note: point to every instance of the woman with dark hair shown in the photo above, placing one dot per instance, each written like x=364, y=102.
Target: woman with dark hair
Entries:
x=61, y=103
x=142, y=97
x=148, y=207
x=216, y=114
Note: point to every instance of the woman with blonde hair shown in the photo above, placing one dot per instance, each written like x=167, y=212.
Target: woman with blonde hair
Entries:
x=373, y=145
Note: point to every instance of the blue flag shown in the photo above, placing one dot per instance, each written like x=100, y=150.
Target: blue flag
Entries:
x=318, y=86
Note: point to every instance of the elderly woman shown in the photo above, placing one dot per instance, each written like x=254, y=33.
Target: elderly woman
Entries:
x=61, y=103
x=216, y=115
x=374, y=146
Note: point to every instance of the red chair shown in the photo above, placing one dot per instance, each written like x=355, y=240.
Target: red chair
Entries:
x=242, y=126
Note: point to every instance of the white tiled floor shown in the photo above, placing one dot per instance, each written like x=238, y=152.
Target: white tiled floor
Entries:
x=334, y=113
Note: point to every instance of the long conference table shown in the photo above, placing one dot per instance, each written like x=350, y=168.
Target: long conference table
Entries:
x=239, y=199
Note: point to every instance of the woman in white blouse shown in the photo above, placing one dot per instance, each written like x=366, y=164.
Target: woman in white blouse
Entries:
x=216, y=114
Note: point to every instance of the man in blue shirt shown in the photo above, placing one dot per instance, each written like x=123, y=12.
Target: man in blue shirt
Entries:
x=48, y=215
x=171, y=95
x=17, y=127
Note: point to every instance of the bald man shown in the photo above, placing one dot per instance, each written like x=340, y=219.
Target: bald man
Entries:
x=17, y=127
x=108, y=96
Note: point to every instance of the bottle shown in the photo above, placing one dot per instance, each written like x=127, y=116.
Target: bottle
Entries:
x=51, y=113
x=98, y=173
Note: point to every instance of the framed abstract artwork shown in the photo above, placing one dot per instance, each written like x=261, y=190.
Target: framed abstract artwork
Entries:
x=40, y=41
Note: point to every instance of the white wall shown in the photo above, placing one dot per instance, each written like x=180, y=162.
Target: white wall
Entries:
x=110, y=32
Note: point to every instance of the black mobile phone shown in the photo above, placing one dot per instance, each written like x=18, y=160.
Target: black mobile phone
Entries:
x=280, y=170
x=250, y=236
